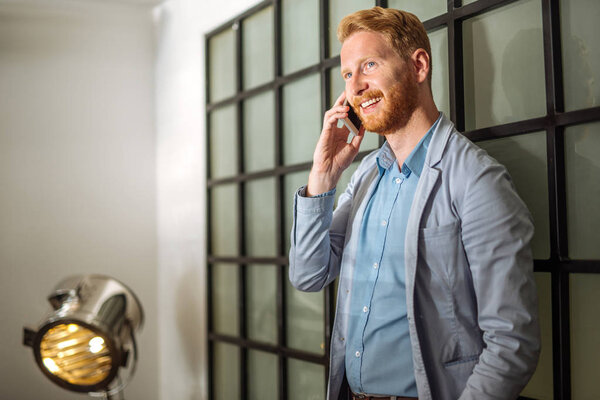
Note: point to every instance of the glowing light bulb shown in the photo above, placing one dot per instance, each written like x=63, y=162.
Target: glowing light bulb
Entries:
x=66, y=343
x=51, y=365
x=96, y=344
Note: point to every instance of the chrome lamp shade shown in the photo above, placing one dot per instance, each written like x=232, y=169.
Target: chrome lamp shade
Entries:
x=89, y=335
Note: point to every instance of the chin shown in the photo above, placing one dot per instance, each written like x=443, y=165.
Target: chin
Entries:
x=388, y=121
x=397, y=108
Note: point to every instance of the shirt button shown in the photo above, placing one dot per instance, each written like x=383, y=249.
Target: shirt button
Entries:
x=365, y=309
x=398, y=180
x=375, y=265
x=384, y=222
x=357, y=354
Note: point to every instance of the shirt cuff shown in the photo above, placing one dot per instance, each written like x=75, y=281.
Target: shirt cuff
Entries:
x=302, y=193
x=314, y=204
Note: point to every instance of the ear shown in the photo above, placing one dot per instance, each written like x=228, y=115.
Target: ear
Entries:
x=420, y=60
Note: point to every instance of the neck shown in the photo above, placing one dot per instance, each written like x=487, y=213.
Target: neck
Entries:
x=403, y=140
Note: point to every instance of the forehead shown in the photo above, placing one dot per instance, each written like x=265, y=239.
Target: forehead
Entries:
x=364, y=44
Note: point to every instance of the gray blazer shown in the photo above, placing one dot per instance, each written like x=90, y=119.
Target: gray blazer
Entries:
x=470, y=292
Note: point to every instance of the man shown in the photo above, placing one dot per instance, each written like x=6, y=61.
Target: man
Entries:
x=436, y=296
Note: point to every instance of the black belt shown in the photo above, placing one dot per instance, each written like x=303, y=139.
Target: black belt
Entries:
x=355, y=396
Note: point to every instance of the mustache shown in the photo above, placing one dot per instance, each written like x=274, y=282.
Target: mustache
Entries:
x=368, y=95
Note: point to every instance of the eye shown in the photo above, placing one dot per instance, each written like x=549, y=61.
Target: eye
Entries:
x=347, y=75
x=368, y=66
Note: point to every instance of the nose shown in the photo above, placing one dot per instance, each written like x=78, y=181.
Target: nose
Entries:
x=356, y=85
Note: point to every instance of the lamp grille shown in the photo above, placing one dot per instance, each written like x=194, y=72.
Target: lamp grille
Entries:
x=75, y=354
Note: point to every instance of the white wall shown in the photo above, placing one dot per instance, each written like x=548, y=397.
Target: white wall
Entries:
x=102, y=170
x=77, y=171
x=181, y=27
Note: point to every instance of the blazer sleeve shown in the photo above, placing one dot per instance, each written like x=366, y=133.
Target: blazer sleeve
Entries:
x=496, y=231
x=317, y=238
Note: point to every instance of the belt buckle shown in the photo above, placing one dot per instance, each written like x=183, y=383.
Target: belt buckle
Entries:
x=366, y=396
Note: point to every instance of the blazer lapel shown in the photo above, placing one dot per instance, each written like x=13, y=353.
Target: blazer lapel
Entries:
x=427, y=181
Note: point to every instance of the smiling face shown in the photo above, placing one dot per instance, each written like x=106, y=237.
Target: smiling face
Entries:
x=380, y=85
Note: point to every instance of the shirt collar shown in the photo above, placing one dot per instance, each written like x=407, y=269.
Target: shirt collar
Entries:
x=416, y=159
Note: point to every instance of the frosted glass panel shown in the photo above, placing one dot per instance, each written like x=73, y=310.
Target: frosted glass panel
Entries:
x=305, y=380
x=582, y=158
x=305, y=320
x=336, y=84
x=261, y=285
x=260, y=217
x=225, y=298
x=540, y=385
x=336, y=87
x=424, y=9
x=504, y=65
x=585, y=340
x=259, y=132
x=525, y=158
x=300, y=31
x=226, y=372
x=257, y=48
x=224, y=220
x=292, y=183
x=262, y=375
x=222, y=64
x=338, y=9
x=581, y=53
x=302, y=119
x=439, y=76
x=223, y=142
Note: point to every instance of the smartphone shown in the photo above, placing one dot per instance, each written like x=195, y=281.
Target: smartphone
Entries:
x=352, y=122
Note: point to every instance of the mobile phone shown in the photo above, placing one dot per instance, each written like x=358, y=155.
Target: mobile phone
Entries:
x=352, y=122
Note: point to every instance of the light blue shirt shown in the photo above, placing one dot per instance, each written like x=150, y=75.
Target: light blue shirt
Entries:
x=378, y=352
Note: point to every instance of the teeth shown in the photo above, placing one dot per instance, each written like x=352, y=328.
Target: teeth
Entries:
x=369, y=102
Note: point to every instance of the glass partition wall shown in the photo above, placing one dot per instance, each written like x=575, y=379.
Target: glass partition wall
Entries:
x=520, y=77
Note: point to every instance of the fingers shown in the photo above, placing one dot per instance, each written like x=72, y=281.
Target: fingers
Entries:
x=332, y=116
x=357, y=139
x=338, y=108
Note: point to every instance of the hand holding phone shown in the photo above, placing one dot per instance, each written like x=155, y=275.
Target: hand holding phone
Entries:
x=335, y=149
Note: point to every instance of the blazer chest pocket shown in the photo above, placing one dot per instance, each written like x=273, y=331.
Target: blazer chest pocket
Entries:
x=441, y=249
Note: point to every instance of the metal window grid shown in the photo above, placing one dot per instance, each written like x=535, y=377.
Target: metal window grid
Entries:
x=553, y=124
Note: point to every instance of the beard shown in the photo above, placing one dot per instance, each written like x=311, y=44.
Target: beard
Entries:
x=398, y=106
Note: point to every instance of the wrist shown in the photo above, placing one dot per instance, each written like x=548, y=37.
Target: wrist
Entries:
x=320, y=183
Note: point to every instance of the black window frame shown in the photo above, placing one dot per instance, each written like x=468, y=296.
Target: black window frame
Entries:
x=554, y=123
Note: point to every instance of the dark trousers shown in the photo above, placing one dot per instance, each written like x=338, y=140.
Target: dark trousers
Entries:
x=345, y=390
